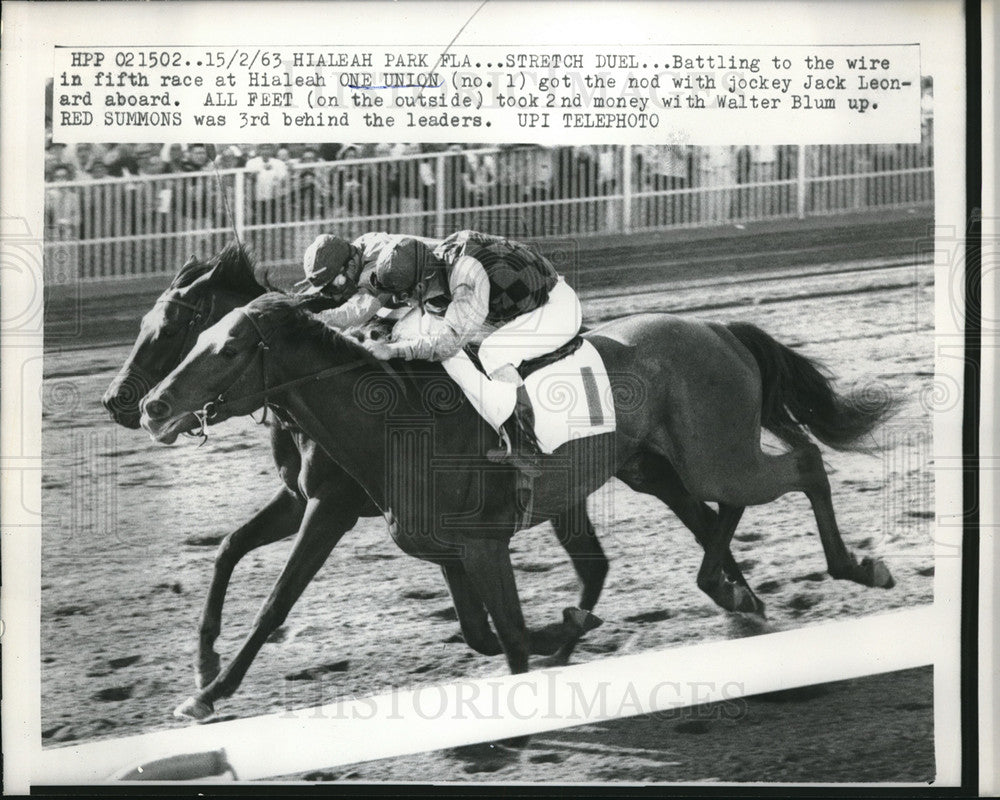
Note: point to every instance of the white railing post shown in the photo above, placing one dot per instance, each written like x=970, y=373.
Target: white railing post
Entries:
x=801, y=183
x=627, y=188
x=439, y=195
x=239, y=204
x=125, y=217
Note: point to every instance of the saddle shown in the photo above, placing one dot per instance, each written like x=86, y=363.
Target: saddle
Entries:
x=532, y=365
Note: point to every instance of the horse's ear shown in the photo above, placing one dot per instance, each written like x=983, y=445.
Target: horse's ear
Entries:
x=191, y=271
x=263, y=277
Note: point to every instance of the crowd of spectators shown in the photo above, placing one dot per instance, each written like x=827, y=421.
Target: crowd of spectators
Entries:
x=405, y=186
x=384, y=185
x=297, y=182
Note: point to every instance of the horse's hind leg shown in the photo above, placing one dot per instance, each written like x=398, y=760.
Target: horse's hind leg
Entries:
x=277, y=520
x=324, y=523
x=760, y=478
x=841, y=562
x=653, y=474
x=728, y=594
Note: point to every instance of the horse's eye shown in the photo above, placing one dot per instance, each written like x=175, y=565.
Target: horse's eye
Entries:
x=167, y=332
x=228, y=351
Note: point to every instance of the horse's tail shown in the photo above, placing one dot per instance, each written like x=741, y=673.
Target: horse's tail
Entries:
x=796, y=394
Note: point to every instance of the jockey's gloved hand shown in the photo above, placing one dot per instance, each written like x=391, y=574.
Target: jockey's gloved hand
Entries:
x=379, y=348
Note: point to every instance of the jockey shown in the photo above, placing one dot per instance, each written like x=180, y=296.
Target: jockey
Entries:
x=338, y=268
x=485, y=290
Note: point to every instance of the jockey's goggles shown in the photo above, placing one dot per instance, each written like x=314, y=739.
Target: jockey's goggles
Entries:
x=398, y=296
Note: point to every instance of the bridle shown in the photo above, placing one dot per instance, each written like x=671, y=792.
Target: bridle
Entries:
x=210, y=411
x=196, y=315
x=196, y=318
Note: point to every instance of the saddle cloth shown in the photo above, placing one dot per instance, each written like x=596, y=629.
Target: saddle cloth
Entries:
x=571, y=397
x=569, y=388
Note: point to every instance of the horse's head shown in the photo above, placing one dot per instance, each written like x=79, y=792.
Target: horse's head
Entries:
x=200, y=295
x=231, y=367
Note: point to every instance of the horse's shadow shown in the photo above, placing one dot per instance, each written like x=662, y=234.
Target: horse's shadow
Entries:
x=489, y=756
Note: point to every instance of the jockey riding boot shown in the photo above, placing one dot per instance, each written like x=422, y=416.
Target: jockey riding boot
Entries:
x=518, y=437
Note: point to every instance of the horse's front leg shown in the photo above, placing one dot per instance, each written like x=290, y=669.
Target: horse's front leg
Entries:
x=476, y=627
x=470, y=610
x=277, y=520
x=324, y=522
x=487, y=563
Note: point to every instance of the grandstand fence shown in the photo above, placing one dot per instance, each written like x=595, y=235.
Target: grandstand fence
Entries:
x=121, y=228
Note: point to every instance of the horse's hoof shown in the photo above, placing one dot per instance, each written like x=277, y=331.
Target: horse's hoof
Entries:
x=547, y=662
x=745, y=601
x=744, y=623
x=515, y=742
x=193, y=708
x=581, y=619
x=878, y=572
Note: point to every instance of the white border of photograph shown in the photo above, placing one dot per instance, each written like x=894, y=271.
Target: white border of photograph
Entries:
x=989, y=592
x=32, y=30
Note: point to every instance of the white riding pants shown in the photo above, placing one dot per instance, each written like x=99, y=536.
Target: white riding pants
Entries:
x=528, y=336
x=534, y=334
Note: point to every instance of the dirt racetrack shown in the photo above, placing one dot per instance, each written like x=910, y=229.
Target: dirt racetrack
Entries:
x=131, y=528
x=873, y=729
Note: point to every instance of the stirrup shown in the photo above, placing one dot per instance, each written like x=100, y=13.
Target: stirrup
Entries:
x=502, y=452
x=524, y=499
x=527, y=464
x=526, y=455
x=523, y=454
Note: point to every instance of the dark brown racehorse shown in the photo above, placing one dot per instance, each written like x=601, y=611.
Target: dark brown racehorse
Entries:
x=200, y=295
x=691, y=401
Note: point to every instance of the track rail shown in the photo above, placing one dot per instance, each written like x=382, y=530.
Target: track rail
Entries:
x=482, y=710
x=119, y=331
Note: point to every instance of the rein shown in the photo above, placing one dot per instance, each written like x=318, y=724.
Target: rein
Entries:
x=196, y=318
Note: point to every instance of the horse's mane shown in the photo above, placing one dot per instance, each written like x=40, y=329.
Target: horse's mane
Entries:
x=233, y=268
x=189, y=273
x=295, y=318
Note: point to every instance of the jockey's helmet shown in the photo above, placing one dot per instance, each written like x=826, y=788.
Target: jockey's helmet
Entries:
x=400, y=270
x=324, y=261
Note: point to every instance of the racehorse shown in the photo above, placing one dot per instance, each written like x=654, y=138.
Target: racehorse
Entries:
x=691, y=399
x=201, y=294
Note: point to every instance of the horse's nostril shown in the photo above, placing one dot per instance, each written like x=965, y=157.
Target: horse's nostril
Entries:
x=157, y=409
